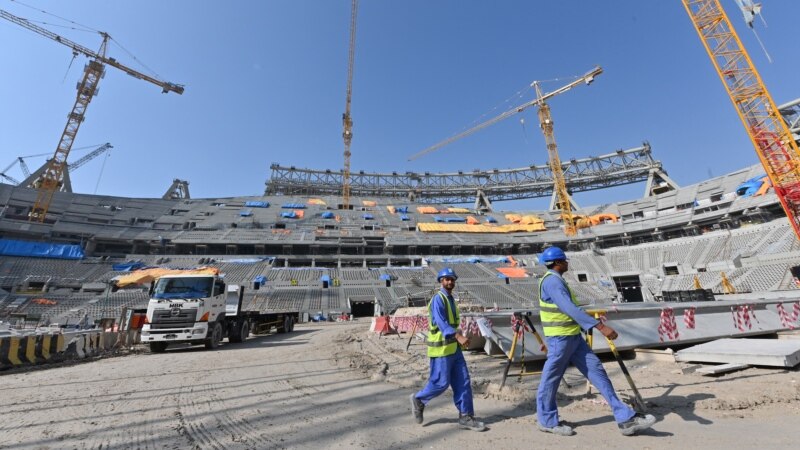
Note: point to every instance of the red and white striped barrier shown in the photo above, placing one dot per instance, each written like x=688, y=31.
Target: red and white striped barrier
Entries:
x=741, y=317
x=668, y=327
x=787, y=320
x=688, y=317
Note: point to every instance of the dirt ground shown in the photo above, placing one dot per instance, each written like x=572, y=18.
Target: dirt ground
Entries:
x=339, y=386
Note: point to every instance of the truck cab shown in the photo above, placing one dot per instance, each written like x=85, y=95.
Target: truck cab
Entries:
x=187, y=308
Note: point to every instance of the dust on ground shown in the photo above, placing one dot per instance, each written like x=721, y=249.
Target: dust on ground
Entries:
x=340, y=386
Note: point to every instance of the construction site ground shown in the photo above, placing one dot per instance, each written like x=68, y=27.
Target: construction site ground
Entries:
x=336, y=385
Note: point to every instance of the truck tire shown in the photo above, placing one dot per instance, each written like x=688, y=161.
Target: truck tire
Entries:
x=291, y=324
x=240, y=332
x=215, y=336
x=287, y=325
x=158, y=347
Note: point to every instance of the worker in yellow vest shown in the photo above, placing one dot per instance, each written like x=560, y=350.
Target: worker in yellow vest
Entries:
x=562, y=321
x=448, y=367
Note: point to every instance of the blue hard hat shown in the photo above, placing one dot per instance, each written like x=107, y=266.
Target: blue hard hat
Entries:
x=446, y=272
x=551, y=254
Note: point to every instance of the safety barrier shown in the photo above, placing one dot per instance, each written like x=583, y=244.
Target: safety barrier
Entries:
x=642, y=325
x=16, y=351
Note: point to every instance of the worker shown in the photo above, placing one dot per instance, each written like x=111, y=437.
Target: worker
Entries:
x=448, y=367
x=562, y=321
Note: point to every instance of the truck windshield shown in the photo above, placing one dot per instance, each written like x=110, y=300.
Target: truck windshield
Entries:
x=194, y=287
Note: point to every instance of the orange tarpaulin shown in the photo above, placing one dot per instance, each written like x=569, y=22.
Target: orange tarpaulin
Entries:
x=299, y=213
x=530, y=220
x=458, y=210
x=427, y=210
x=515, y=218
x=368, y=203
x=316, y=201
x=472, y=221
x=512, y=272
x=480, y=228
x=391, y=209
x=147, y=275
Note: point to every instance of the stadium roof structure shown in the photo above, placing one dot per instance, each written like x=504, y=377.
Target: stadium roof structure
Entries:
x=614, y=169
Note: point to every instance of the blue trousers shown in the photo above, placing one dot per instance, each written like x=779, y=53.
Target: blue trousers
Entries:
x=562, y=350
x=449, y=371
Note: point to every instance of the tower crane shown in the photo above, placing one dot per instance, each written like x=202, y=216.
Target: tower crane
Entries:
x=546, y=123
x=347, y=121
x=773, y=141
x=52, y=177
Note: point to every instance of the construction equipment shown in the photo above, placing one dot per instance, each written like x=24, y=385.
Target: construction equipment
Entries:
x=347, y=121
x=520, y=326
x=638, y=402
x=35, y=179
x=87, y=88
x=773, y=141
x=563, y=202
x=727, y=287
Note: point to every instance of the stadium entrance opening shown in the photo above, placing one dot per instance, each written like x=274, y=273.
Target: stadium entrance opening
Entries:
x=630, y=287
x=362, y=308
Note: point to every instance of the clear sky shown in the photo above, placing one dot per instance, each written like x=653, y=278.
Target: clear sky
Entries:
x=265, y=82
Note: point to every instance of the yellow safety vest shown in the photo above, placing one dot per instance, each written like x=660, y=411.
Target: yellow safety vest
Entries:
x=555, y=322
x=438, y=346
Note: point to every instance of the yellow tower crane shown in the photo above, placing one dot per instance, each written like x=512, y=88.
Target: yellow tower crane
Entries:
x=87, y=88
x=347, y=121
x=546, y=123
x=773, y=142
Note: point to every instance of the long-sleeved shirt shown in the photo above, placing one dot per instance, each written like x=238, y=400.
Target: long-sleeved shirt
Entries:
x=439, y=313
x=554, y=290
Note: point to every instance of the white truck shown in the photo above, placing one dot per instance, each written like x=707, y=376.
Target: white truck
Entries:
x=203, y=309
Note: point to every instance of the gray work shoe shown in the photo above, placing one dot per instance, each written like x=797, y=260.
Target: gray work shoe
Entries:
x=636, y=423
x=469, y=423
x=417, y=407
x=560, y=429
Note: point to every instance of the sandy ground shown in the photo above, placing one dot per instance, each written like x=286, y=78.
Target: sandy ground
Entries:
x=339, y=386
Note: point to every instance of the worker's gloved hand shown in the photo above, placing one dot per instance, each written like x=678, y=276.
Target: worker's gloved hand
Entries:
x=462, y=340
x=607, y=331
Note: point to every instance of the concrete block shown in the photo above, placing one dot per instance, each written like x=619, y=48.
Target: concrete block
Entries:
x=756, y=352
x=723, y=368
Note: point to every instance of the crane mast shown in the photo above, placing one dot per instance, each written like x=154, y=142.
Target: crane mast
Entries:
x=771, y=138
x=52, y=177
x=347, y=121
x=559, y=185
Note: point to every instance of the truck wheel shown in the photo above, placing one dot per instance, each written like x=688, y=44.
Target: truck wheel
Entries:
x=287, y=325
x=158, y=347
x=215, y=336
x=240, y=332
x=291, y=324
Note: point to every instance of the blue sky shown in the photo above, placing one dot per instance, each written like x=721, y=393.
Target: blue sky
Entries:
x=265, y=82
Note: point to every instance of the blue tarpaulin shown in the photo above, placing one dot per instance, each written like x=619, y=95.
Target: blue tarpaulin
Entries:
x=289, y=215
x=255, y=204
x=261, y=279
x=245, y=213
x=491, y=219
x=438, y=219
x=476, y=259
x=403, y=217
x=127, y=267
x=327, y=215
x=294, y=206
x=750, y=186
x=325, y=278
x=10, y=247
x=385, y=276
x=368, y=217
x=402, y=209
x=455, y=219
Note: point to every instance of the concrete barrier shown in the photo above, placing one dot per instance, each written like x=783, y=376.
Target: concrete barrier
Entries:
x=44, y=348
x=650, y=325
